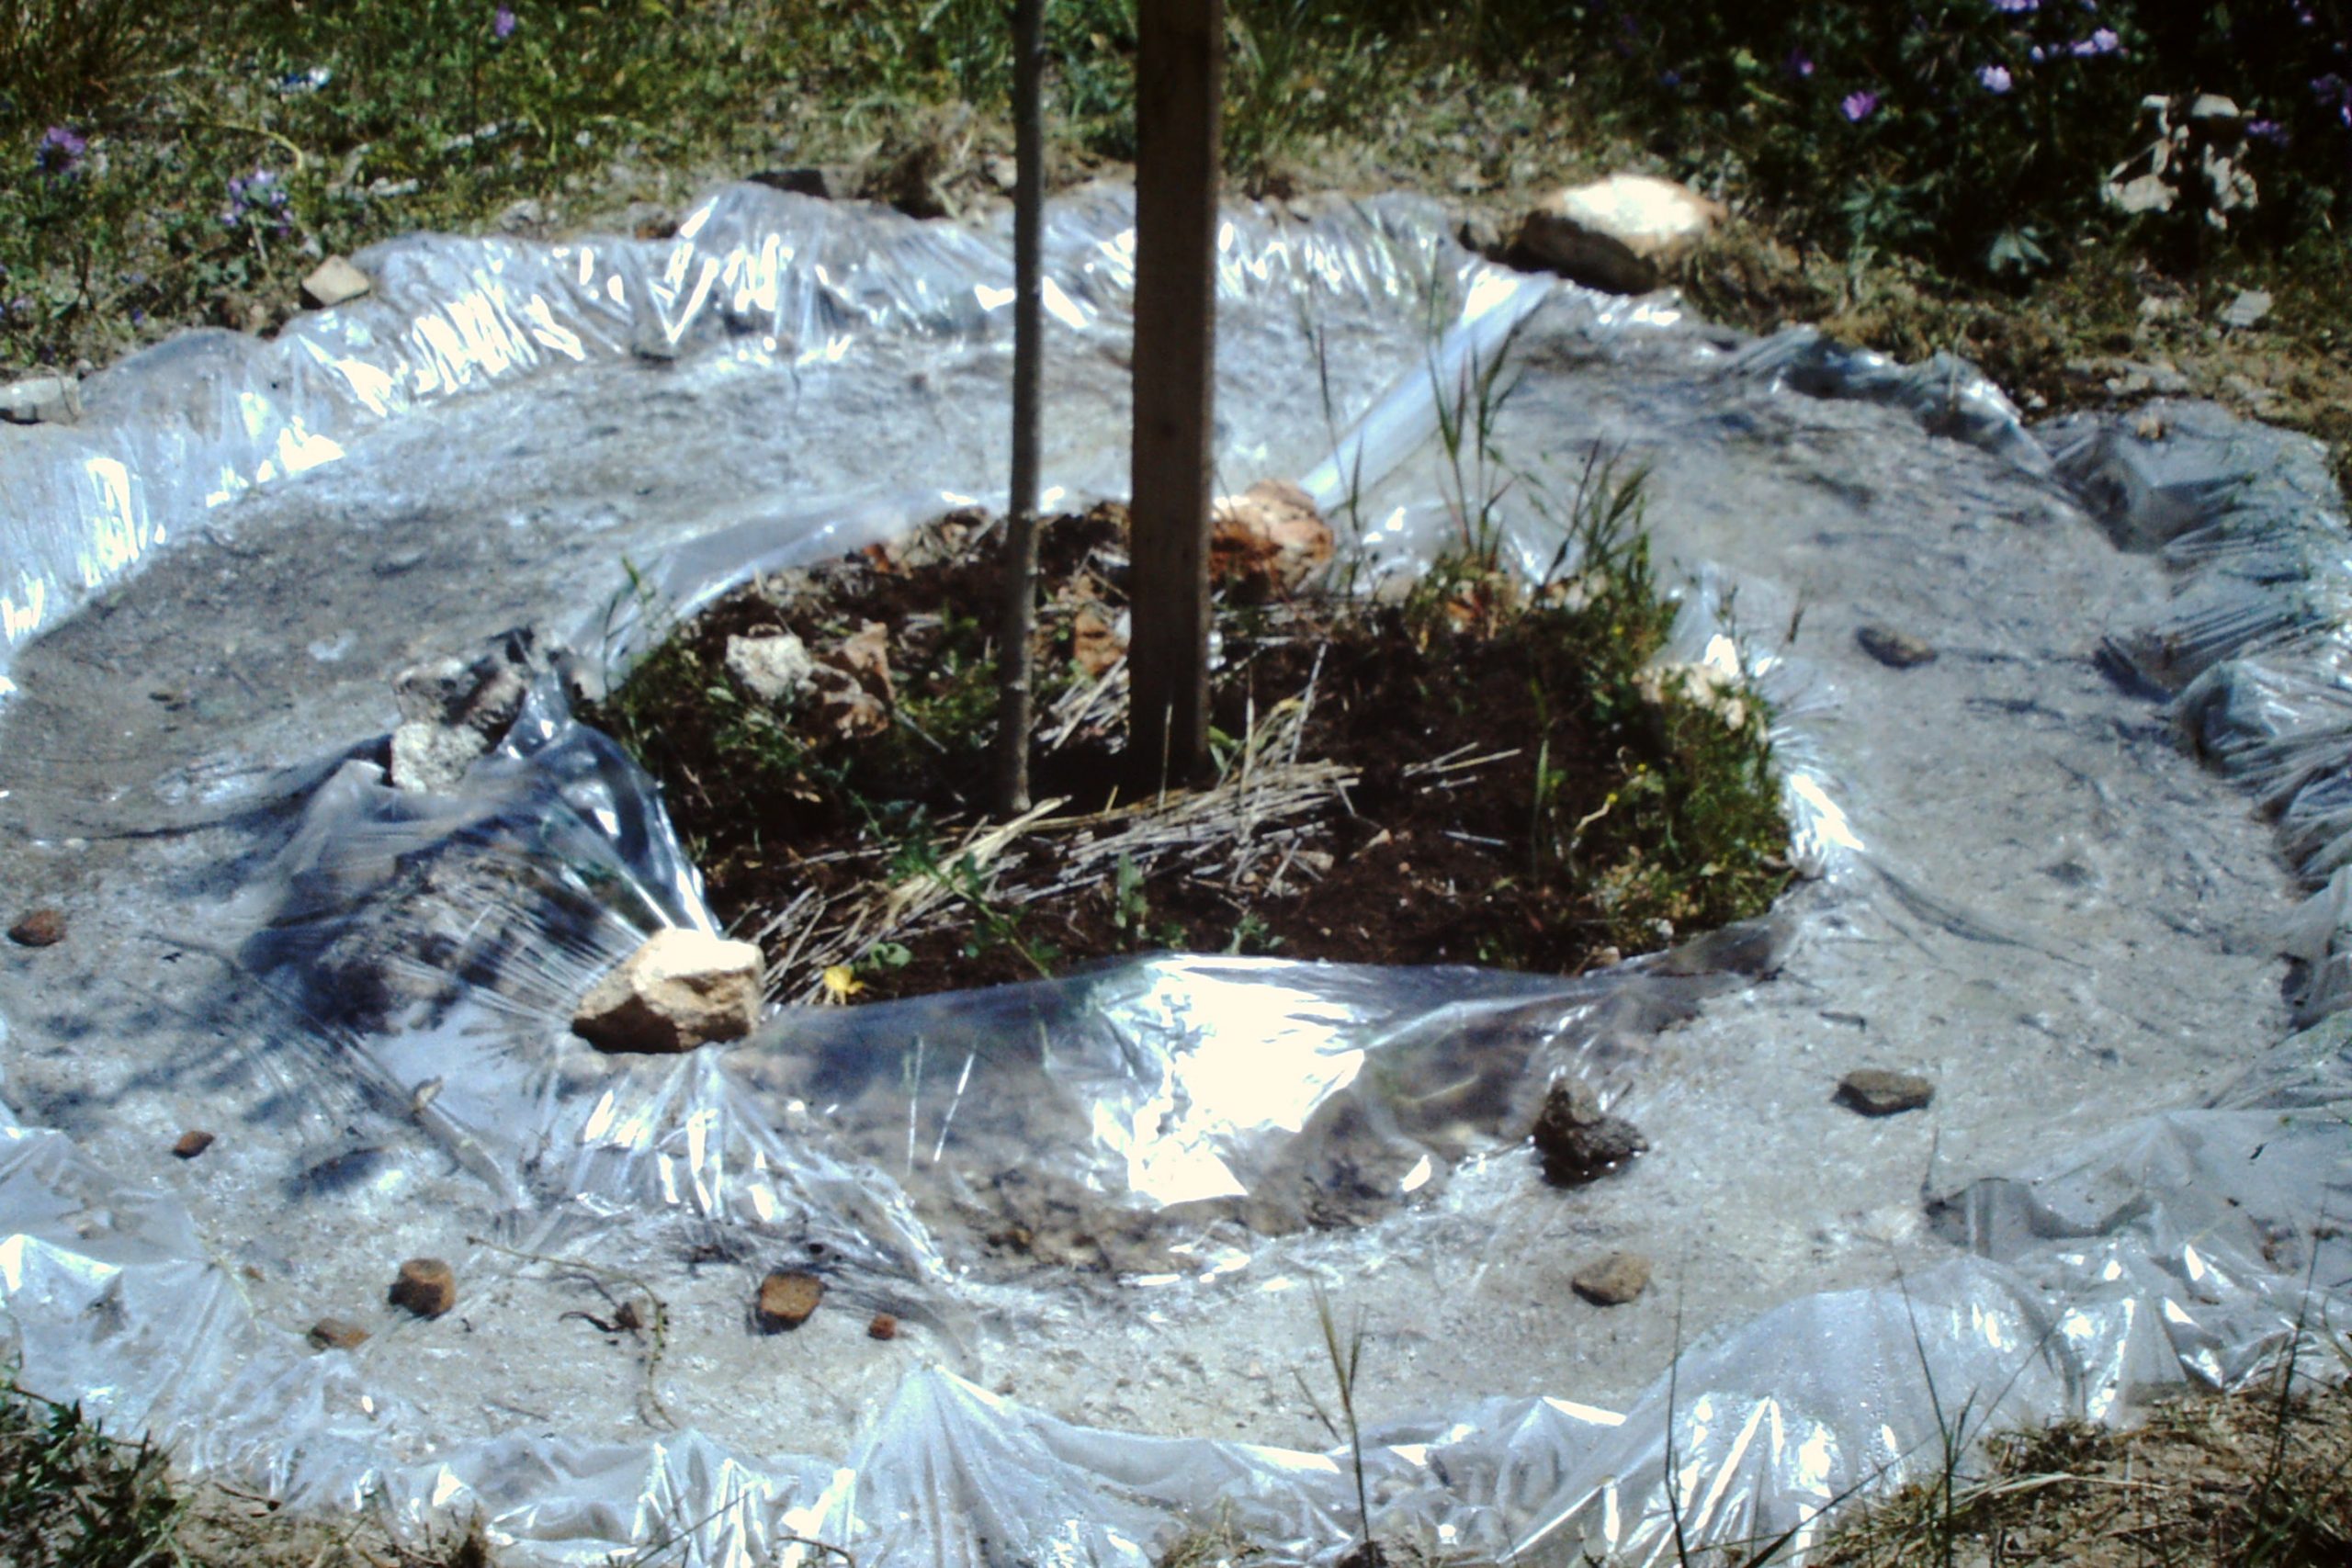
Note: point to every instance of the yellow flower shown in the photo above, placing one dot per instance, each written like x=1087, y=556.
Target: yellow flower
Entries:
x=841, y=982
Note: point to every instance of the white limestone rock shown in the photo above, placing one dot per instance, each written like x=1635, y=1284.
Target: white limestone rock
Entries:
x=1621, y=234
x=774, y=670
x=333, y=282
x=41, y=399
x=681, y=989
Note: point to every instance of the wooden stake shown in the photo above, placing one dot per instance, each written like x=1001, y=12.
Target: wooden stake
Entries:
x=1020, y=616
x=1179, y=52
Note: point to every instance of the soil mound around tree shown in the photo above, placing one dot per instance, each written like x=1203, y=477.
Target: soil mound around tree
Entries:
x=1471, y=769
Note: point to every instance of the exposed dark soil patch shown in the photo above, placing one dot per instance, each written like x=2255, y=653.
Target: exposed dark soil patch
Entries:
x=1464, y=773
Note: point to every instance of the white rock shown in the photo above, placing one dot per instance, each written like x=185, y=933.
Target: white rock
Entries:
x=2247, y=309
x=333, y=282
x=681, y=989
x=1620, y=234
x=41, y=399
x=773, y=669
x=432, y=758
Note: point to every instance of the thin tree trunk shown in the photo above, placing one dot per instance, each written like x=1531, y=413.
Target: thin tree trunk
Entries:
x=1179, y=47
x=1013, y=662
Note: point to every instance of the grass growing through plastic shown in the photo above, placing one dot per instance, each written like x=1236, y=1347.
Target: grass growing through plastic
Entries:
x=72, y=1497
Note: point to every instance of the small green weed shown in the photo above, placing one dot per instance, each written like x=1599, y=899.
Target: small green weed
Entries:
x=72, y=1497
x=1346, y=1355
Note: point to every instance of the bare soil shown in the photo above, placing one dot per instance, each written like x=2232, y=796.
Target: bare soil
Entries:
x=1436, y=748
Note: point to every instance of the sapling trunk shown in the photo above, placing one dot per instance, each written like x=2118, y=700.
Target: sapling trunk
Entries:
x=1179, y=47
x=1014, y=661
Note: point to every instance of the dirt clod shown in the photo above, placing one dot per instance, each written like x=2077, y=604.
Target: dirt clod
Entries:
x=1612, y=1280
x=192, y=1142
x=335, y=1334
x=787, y=1299
x=882, y=1327
x=1875, y=1091
x=1577, y=1141
x=426, y=1287
x=44, y=926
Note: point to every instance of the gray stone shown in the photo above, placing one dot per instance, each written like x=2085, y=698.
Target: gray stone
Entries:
x=1612, y=1280
x=453, y=711
x=1577, y=1141
x=1896, y=650
x=1623, y=233
x=774, y=670
x=430, y=758
x=680, y=989
x=41, y=399
x=333, y=282
x=2247, y=309
x=1875, y=1091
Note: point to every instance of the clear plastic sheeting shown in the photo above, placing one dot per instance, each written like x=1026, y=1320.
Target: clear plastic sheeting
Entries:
x=1946, y=394
x=2252, y=527
x=1096, y=1209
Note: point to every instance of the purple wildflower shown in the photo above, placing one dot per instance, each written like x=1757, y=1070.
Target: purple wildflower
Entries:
x=501, y=23
x=1996, y=78
x=1799, y=64
x=1669, y=78
x=258, y=198
x=2334, y=93
x=2015, y=7
x=2103, y=41
x=59, y=154
x=2037, y=54
x=2268, y=130
x=1858, y=107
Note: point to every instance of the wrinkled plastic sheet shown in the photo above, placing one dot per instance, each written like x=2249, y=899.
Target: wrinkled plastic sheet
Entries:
x=2178, y=1248
x=2254, y=653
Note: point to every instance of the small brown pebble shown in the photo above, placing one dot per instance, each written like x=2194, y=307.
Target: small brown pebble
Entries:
x=44, y=926
x=1896, y=650
x=192, y=1144
x=1612, y=1280
x=1875, y=1091
x=335, y=1334
x=428, y=1287
x=786, y=1300
x=883, y=1327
